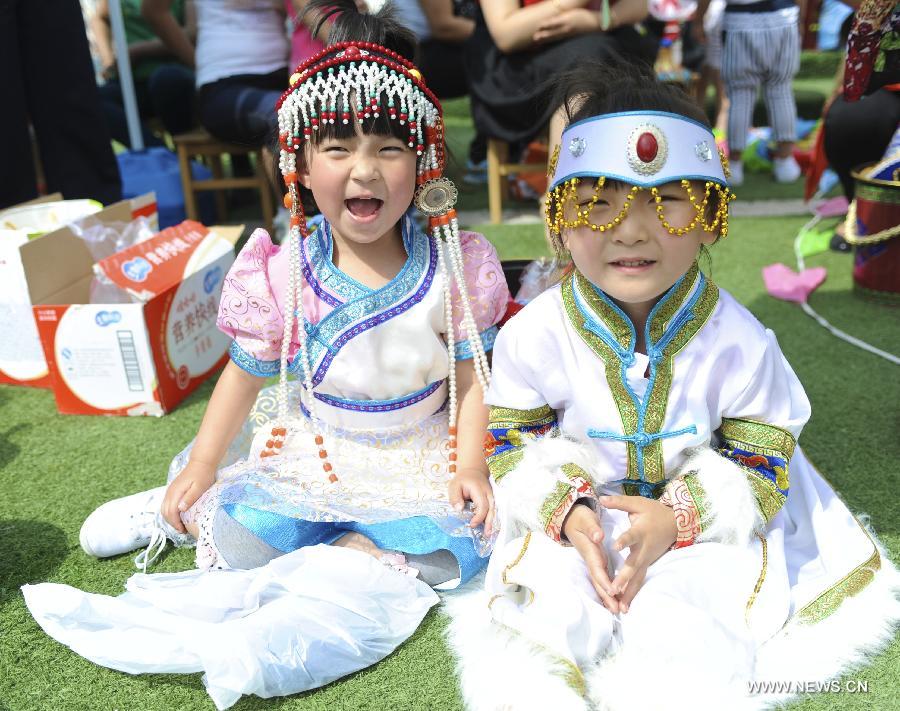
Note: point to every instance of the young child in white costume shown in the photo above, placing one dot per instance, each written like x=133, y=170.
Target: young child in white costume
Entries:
x=375, y=448
x=661, y=533
x=362, y=312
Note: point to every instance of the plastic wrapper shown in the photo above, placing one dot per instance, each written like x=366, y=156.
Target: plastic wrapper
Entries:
x=302, y=621
x=103, y=239
x=539, y=276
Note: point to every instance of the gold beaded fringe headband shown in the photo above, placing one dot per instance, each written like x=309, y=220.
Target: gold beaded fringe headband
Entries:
x=643, y=149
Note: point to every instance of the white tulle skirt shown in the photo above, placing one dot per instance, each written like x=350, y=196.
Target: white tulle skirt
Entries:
x=396, y=474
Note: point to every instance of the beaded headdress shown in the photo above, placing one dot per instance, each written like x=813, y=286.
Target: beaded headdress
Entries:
x=643, y=149
x=357, y=81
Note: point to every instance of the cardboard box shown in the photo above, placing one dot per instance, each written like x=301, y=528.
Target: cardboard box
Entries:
x=139, y=358
x=21, y=356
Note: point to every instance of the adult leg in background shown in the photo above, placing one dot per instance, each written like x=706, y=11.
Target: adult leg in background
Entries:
x=858, y=132
x=48, y=76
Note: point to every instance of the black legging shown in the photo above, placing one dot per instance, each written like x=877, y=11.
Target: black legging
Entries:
x=241, y=109
x=859, y=132
x=46, y=76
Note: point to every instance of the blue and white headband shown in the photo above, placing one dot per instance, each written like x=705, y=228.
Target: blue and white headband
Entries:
x=643, y=149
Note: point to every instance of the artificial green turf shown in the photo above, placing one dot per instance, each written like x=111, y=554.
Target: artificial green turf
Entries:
x=54, y=470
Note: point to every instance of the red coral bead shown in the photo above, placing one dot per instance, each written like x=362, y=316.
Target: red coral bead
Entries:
x=647, y=147
x=351, y=51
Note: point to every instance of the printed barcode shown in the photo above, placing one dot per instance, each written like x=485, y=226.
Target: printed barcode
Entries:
x=130, y=361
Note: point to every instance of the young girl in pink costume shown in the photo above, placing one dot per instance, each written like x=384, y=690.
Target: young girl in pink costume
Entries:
x=377, y=443
x=340, y=499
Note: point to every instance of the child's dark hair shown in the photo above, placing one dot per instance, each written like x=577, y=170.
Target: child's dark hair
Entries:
x=382, y=28
x=593, y=88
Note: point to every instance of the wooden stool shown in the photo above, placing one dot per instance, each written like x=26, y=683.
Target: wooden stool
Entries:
x=199, y=143
x=498, y=170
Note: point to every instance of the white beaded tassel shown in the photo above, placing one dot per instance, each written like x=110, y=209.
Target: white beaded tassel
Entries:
x=451, y=348
x=482, y=370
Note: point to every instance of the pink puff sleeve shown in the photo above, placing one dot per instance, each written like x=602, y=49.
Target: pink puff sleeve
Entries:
x=250, y=312
x=488, y=293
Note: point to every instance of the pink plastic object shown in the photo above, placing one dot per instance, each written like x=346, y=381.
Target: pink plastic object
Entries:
x=784, y=283
x=833, y=207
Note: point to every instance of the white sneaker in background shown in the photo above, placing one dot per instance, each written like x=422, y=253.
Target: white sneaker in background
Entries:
x=122, y=525
x=737, y=173
x=786, y=170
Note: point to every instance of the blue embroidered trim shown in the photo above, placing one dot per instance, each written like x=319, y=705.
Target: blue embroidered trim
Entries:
x=306, y=413
x=306, y=267
x=254, y=366
x=344, y=284
x=463, y=349
x=641, y=438
x=505, y=439
x=374, y=302
x=320, y=272
x=763, y=464
x=380, y=405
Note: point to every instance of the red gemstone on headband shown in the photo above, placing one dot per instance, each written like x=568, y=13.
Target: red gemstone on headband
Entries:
x=647, y=147
x=351, y=51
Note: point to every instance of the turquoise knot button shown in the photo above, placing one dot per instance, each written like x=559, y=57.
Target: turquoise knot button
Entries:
x=628, y=359
x=642, y=439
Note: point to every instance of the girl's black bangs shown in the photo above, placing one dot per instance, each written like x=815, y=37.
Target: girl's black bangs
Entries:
x=382, y=125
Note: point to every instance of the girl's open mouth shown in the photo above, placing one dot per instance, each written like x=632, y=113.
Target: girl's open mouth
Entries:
x=363, y=208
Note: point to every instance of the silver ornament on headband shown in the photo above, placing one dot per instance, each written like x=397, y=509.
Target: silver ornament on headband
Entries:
x=436, y=196
x=703, y=151
x=577, y=146
x=647, y=149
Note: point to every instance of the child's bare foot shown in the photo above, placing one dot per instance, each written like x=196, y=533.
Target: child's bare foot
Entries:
x=359, y=542
x=392, y=559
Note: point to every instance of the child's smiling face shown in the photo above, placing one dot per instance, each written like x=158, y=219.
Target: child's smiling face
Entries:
x=362, y=184
x=638, y=260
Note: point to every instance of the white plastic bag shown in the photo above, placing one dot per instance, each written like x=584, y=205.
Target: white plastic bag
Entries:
x=302, y=621
x=538, y=276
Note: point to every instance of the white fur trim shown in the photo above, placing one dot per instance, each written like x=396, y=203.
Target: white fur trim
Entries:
x=522, y=491
x=846, y=640
x=732, y=511
x=498, y=669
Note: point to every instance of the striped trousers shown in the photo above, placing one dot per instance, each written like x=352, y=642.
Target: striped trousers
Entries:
x=761, y=49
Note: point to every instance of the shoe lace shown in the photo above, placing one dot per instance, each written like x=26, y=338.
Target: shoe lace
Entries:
x=154, y=549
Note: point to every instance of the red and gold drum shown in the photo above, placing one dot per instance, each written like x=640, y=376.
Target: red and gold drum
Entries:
x=873, y=227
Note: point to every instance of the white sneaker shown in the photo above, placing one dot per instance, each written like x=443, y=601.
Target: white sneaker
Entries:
x=122, y=525
x=786, y=170
x=737, y=173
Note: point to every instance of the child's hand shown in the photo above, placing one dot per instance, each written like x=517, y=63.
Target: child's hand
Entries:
x=652, y=533
x=583, y=530
x=185, y=489
x=473, y=485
